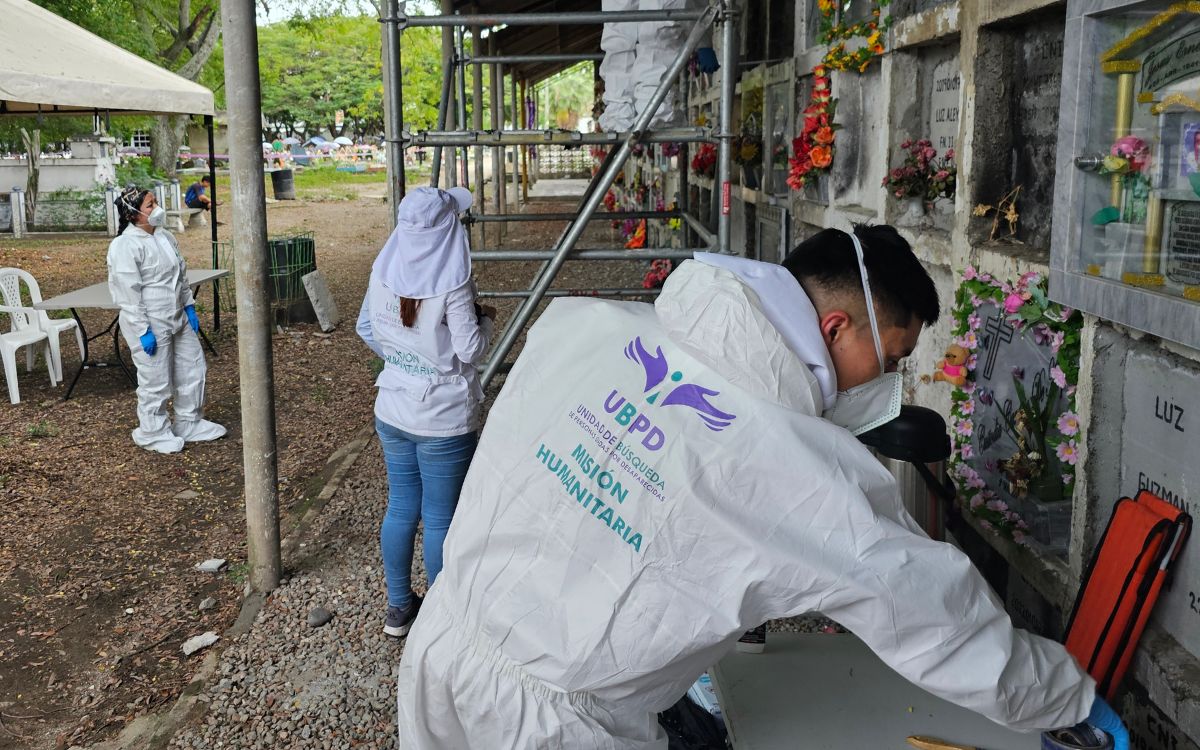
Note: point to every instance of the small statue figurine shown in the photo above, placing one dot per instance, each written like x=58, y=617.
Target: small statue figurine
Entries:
x=953, y=369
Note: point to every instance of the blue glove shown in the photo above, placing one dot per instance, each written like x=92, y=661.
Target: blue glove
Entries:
x=1103, y=717
x=192, y=319
x=149, y=343
x=706, y=60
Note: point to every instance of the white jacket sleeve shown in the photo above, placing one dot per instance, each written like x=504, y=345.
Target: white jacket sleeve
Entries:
x=924, y=609
x=125, y=281
x=364, y=327
x=468, y=335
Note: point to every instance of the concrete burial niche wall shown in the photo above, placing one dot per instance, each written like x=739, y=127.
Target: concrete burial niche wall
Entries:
x=1018, y=79
x=1144, y=407
x=861, y=109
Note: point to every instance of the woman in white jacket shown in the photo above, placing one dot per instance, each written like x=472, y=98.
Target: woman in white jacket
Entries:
x=147, y=278
x=420, y=316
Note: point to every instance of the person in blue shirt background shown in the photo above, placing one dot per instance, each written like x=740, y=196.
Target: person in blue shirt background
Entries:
x=197, y=194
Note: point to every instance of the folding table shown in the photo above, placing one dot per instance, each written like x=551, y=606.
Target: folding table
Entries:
x=98, y=297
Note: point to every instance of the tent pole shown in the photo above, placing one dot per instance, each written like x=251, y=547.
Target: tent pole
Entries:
x=257, y=375
x=212, y=214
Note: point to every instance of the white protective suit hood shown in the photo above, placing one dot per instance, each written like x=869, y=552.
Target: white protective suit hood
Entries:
x=652, y=481
x=789, y=310
x=428, y=253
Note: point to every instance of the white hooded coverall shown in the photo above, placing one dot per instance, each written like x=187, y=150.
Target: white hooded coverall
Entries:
x=147, y=278
x=652, y=482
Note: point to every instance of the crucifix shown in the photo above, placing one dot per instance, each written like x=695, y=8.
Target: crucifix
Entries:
x=997, y=330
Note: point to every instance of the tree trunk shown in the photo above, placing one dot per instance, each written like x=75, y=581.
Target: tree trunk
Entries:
x=168, y=131
x=165, y=139
x=33, y=152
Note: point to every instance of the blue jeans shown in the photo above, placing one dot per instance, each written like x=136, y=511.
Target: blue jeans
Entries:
x=425, y=475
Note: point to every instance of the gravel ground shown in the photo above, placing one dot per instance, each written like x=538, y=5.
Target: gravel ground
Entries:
x=285, y=684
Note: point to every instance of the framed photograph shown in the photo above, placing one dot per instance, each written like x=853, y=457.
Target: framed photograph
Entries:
x=1189, y=149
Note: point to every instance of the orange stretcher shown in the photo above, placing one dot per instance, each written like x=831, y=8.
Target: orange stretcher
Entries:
x=1132, y=563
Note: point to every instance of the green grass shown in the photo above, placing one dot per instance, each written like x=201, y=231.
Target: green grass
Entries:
x=327, y=177
x=239, y=572
x=41, y=430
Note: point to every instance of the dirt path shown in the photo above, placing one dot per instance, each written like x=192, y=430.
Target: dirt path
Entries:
x=97, y=587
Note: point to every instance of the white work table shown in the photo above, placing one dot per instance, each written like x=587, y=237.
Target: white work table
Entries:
x=98, y=297
x=829, y=692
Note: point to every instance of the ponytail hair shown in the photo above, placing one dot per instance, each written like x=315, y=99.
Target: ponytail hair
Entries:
x=129, y=205
x=408, y=311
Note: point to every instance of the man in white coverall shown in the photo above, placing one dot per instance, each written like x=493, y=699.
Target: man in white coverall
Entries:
x=655, y=480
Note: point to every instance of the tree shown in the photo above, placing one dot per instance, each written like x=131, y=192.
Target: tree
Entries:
x=312, y=68
x=177, y=34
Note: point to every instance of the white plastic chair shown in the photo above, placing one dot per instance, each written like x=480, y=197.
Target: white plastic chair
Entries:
x=27, y=331
x=54, y=327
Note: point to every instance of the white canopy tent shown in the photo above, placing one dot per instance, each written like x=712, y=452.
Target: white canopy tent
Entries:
x=49, y=65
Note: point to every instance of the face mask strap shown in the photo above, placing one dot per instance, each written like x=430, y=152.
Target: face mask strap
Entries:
x=862, y=270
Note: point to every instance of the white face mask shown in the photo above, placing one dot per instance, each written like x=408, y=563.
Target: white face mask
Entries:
x=876, y=402
x=156, y=216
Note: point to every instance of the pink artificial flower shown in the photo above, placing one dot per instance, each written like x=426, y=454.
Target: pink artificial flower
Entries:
x=1068, y=423
x=966, y=450
x=985, y=277
x=976, y=482
x=997, y=505
x=973, y=321
x=976, y=502
x=968, y=406
x=969, y=273
x=1068, y=452
x=972, y=361
x=969, y=388
x=1056, y=341
x=1019, y=537
x=1058, y=376
x=1067, y=479
x=929, y=153
x=905, y=143
x=949, y=153
x=965, y=428
x=1012, y=303
x=968, y=341
x=1134, y=149
x=975, y=301
x=987, y=525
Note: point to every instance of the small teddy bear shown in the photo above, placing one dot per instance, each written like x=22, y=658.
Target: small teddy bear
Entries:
x=953, y=369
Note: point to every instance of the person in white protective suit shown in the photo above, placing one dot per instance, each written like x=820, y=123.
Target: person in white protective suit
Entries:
x=636, y=59
x=653, y=481
x=147, y=278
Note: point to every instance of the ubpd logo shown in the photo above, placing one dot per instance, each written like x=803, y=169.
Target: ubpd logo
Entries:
x=690, y=395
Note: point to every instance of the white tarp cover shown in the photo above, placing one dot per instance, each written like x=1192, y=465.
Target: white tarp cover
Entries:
x=48, y=61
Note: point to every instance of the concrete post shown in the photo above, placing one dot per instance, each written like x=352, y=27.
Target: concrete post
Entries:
x=257, y=375
x=17, y=198
x=111, y=220
x=176, y=204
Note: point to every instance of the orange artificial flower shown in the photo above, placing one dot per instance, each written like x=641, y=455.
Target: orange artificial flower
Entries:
x=821, y=156
x=824, y=136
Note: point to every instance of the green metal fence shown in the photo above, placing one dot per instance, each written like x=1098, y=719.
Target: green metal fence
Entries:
x=291, y=257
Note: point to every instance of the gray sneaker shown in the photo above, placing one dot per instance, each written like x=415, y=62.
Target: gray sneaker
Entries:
x=400, y=619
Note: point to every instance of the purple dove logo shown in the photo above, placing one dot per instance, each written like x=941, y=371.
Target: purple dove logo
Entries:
x=691, y=395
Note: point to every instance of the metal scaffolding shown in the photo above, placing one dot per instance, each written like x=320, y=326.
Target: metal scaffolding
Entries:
x=455, y=142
